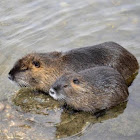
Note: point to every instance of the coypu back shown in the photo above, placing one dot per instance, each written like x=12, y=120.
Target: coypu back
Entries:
x=105, y=54
x=104, y=78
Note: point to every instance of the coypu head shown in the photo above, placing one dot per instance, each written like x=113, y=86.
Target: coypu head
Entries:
x=36, y=70
x=74, y=90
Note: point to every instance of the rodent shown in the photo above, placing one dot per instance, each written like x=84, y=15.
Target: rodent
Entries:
x=40, y=70
x=91, y=90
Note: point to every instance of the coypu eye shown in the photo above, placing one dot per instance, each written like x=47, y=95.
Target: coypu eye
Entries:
x=76, y=81
x=36, y=64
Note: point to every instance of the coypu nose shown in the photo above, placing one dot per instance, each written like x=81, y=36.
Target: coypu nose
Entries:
x=51, y=91
x=10, y=76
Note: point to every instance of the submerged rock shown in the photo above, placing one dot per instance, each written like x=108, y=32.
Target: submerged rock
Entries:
x=66, y=124
x=30, y=101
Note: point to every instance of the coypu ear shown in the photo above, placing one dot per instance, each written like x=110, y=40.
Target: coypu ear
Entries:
x=76, y=81
x=36, y=64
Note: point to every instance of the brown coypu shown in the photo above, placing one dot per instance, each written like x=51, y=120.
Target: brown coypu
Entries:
x=91, y=90
x=40, y=70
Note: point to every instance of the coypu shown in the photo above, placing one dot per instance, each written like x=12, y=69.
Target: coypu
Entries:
x=40, y=70
x=91, y=90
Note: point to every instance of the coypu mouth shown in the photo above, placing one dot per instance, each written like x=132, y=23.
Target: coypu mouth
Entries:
x=22, y=85
x=20, y=82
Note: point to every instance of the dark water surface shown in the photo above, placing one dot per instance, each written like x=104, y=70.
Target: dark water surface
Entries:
x=43, y=25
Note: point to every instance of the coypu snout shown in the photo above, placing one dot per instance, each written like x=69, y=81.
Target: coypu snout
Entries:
x=11, y=76
x=13, y=71
x=56, y=95
x=53, y=93
x=23, y=71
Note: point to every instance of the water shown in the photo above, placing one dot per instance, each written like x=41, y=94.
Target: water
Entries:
x=41, y=26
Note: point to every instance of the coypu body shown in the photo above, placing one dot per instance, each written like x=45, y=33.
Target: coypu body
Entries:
x=40, y=70
x=91, y=90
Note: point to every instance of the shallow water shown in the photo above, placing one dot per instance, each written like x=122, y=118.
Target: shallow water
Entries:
x=41, y=26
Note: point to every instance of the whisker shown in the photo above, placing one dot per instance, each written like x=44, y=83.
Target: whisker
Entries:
x=22, y=83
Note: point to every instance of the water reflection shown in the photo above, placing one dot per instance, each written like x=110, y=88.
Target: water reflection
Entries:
x=48, y=113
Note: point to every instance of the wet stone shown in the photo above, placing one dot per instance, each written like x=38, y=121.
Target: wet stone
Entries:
x=29, y=101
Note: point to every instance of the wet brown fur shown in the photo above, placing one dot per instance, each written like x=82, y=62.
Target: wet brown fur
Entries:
x=106, y=88
x=54, y=64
